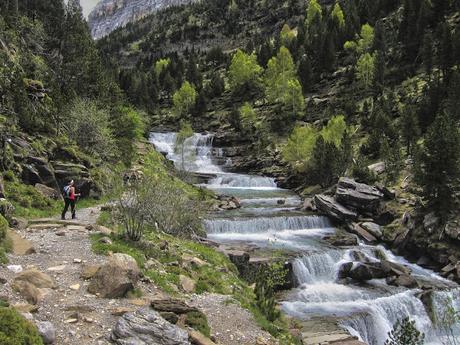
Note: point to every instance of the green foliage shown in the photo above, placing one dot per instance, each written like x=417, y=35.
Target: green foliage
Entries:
x=337, y=16
x=161, y=65
x=15, y=330
x=287, y=35
x=410, y=130
x=185, y=132
x=4, y=240
x=361, y=172
x=314, y=13
x=299, y=147
x=268, y=278
x=248, y=118
x=184, y=100
x=391, y=155
x=89, y=126
x=405, y=333
x=302, y=141
x=363, y=42
x=365, y=70
x=198, y=321
x=244, y=72
x=281, y=84
x=438, y=163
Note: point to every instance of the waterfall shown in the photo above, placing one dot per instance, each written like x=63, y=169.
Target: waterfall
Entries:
x=265, y=224
x=318, y=267
x=241, y=181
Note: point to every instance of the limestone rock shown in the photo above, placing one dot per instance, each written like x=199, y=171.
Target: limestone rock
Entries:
x=197, y=338
x=48, y=191
x=187, y=284
x=28, y=291
x=47, y=332
x=89, y=271
x=147, y=327
x=360, y=231
x=356, y=195
x=172, y=305
x=333, y=209
x=115, y=278
x=36, y=278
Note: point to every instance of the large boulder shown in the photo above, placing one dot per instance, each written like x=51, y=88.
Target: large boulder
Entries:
x=38, y=170
x=357, y=195
x=115, y=278
x=373, y=228
x=363, y=233
x=147, y=327
x=48, y=191
x=333, y=209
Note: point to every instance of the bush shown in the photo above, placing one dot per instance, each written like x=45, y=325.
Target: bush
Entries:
x=15, y=330
x=405, y=333
x=198, y=321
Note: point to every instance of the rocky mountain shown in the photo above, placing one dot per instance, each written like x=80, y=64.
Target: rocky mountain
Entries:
x=109, y=15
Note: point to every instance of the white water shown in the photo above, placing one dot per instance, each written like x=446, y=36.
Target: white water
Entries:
x=367, y=311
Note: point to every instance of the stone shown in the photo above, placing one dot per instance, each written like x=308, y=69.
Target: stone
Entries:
x=331, y=208
x=77, y=261
x=452, y=229
x=48, y=191
x=71, y=320
x=105, y=240
x=309, y=205
x=25, y=308
x=175, y=306
x=170, y=316
x=357, y=195
x=403, y=280
x=345, y=269
x=20, y=246
x=192, y=261
x=372, y=228
x=44, y=226
x=103, y=230
x=393, y=268
x=147, y=327
x=342, y=240
x=358, y=230
x=36, y=278
x=57, y=268
x=47, y=332
x=366, y=271
x=152, y=263
x=60, y=233
x=28, y=291
x=187, y=284
x=14, y=268
x=197, y=338
x=119, y=311
x=430, y=222
x=89, y=271
x=377, y=168
x=115, y=278
x=19, y=223
x=75, y=287
x=389, y=194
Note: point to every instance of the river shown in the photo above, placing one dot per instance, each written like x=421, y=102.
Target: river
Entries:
x=269, y=218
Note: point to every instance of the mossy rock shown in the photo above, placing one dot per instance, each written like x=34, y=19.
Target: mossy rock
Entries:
x=15, y=330
x=198, y=321
x=3, y=229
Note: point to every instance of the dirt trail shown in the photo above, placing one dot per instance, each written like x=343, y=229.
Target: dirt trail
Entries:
x=62, y=249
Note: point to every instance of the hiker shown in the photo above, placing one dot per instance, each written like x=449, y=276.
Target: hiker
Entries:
x=69, y=199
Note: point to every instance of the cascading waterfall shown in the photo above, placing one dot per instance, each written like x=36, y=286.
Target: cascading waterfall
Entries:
x=368, y=311
x=264, y=224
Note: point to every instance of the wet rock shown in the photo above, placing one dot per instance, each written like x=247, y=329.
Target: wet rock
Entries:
x=356, y=195
x=115, y=278
x=342, y=240
x=404, y=280
x=372, y=228
x=367, y=271
x=47, y=332
x=360, y=231
x=147, y=327
x=333, y=209
x=393, y=268
x=345, y=269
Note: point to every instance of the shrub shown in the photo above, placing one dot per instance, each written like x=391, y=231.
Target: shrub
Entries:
x=15, y=330
x=405, y=333
x=198, y=321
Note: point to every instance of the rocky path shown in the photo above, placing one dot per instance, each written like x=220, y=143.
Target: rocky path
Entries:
x=59, y=255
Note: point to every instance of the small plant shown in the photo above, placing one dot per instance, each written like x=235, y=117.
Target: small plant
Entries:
x=14, y=329
x=405, y=333
x=198, y=321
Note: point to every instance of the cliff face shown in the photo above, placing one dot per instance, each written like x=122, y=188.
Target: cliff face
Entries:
x=109, y=15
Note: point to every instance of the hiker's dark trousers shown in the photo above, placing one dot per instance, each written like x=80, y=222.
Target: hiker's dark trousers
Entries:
x=68, y=203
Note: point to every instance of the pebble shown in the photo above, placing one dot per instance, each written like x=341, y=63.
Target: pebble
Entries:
x=77, y=261
x=75, y=287
x=71, y=321
x=47, y=332
x=15, y=268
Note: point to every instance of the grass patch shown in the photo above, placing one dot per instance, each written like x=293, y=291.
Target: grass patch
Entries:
x=15, y=329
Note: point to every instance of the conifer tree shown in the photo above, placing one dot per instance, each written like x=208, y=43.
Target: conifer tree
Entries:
x=404, y=332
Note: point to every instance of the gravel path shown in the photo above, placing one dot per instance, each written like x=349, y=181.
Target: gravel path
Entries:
x=230, y=323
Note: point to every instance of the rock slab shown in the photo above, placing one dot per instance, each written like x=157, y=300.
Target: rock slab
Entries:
x=147, y=327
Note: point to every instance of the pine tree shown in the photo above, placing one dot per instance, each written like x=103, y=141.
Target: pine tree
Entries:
x=391, y=155
x=305, y=73
x=405, y=333
x=427, y=52
x=410, y=129
x=438, y=163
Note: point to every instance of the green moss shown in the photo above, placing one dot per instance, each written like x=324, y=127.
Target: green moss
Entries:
x=198, y=321
x=15, y=330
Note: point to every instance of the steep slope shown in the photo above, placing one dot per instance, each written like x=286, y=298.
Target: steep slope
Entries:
x=109, y=15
